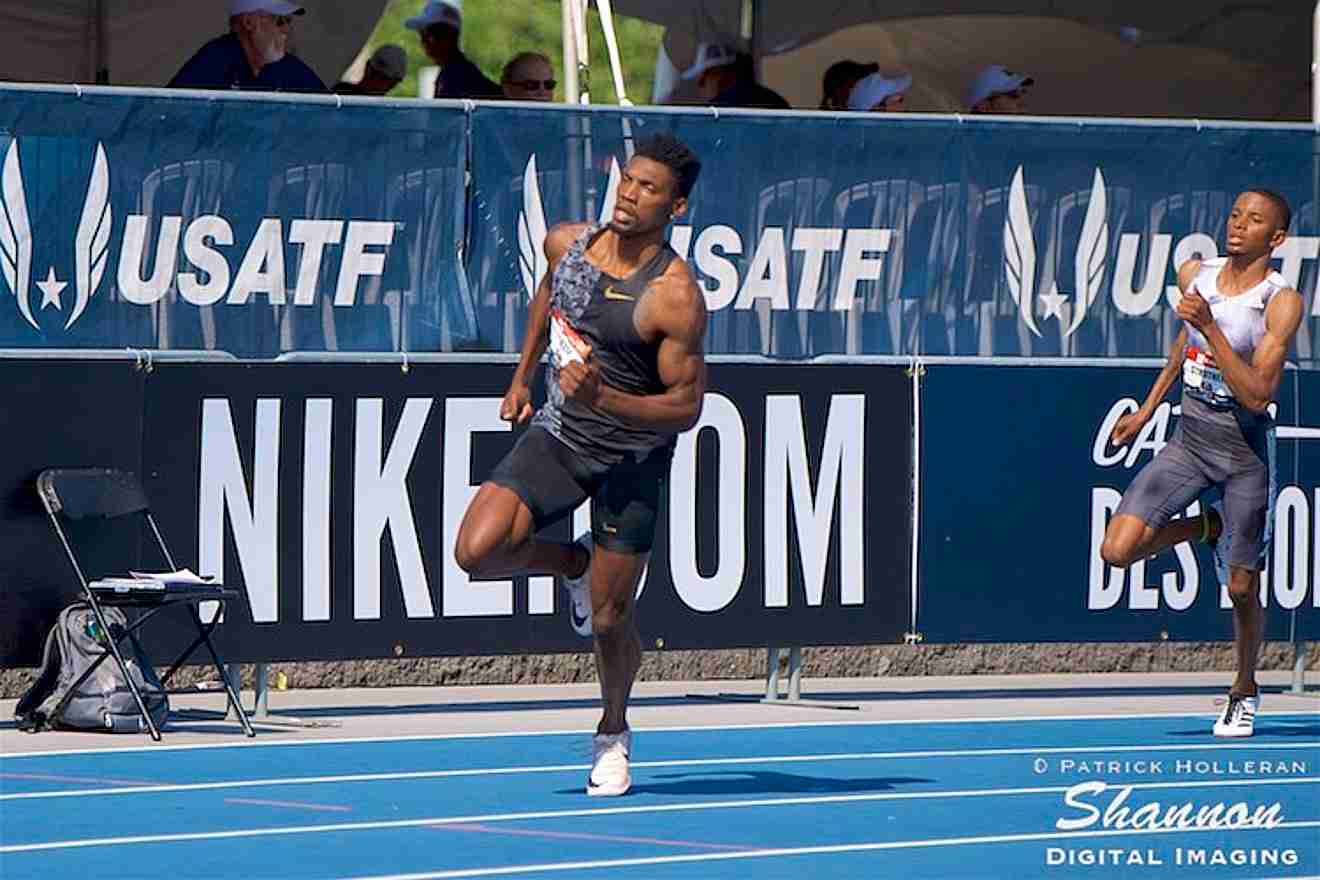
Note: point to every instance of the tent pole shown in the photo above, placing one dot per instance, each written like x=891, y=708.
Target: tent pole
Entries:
x=606, y=11
x=101, y=70
x=569, y=49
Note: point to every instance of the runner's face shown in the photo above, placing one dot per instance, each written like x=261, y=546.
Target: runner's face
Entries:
x=1253, y=226
x=647, y=198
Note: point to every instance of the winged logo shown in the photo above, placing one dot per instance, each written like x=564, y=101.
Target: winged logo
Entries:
x=16, y=233
x=1088, y=265
x=92, y=241
x=532, y=262
x=1020, y=252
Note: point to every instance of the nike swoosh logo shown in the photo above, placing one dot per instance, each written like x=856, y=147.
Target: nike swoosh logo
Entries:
x=611, y=293
x=577, y=621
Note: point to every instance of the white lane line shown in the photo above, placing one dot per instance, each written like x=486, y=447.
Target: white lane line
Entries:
x=441, y=737
x=616, y=811
x=684, y=762
x=293, y=805
x=795, y=851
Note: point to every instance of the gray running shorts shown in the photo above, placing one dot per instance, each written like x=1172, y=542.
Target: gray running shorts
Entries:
x=1234, y=463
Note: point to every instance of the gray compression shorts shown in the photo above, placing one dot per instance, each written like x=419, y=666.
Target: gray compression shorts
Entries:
x=1225, y=456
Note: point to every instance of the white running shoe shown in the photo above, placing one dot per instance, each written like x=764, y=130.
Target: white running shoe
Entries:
x=1239, y=718
x=609, y=764
x=579, y=593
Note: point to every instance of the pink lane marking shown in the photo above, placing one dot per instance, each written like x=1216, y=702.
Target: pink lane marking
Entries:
x=76, y=780
x=571, y=835
x=296, y=805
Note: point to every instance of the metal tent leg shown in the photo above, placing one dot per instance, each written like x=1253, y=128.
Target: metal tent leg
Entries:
x=1299, y=668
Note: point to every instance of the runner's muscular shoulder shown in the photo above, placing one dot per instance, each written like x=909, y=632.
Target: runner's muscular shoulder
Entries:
x=560, y=238
x=673, y=308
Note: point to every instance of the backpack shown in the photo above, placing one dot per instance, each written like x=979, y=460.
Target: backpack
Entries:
x=103, y=701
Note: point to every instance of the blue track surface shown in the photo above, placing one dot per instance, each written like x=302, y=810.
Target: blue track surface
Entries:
x=939, y=799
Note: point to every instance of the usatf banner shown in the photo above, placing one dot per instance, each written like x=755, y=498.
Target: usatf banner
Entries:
x=261, y=225
x=873, y=234
x=251, y=226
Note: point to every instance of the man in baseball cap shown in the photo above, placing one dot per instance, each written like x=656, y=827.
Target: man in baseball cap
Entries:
x=726, y=77
x=254, y=55
x=385, y=69
x=879, y=93
x=839, y=80
x=438, y=26
x=996, y=89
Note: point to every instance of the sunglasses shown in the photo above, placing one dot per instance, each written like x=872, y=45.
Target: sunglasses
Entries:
x=281, y=21
x=533, y=84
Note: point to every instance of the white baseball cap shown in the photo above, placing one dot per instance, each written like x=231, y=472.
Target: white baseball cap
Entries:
x=448, y=12
x=871, y=90
x=711, y=55
x=993, y=80
x=274, y=7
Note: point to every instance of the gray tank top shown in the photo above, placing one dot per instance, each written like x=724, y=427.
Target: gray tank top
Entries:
x=600, y=309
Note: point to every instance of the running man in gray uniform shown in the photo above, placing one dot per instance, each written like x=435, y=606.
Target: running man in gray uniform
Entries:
x=625, y=324
x=1240, y=321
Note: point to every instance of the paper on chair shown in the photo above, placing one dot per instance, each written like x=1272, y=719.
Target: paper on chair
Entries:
x=182, y=576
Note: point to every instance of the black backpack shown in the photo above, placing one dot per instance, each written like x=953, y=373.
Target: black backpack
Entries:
x=103, y=701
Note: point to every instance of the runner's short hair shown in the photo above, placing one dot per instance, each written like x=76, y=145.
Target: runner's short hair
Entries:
x=1280, y=204
x=668, y=150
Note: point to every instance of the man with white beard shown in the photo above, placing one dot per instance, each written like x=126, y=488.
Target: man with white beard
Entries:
x=254, y=55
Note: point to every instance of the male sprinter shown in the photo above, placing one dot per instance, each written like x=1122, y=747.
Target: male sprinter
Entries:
x=1240, y=321
x=625, y=323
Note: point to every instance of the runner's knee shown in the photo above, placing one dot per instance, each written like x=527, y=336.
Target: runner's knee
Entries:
x=1117, y=550
x=480, y=546
x=609, y=616
x=1241, y=586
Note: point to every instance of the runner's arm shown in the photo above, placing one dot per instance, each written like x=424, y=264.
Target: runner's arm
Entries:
x=537, y=335
x=1167, y=377
x=1255, y=384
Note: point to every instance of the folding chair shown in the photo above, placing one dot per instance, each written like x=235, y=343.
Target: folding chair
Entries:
x=90, y=493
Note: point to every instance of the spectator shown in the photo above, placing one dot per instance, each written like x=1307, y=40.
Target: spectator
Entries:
x=726, y=77
x=878, y=93
x=839, y=80
x=253, y=56
x=385, y=69
x=528, y=76
x=438, y=26
x=997, y=89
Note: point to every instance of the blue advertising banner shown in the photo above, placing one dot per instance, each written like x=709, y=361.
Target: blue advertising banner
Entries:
x=871, y=234
x=260, y=225
x=1018, y=481
x=225, y=222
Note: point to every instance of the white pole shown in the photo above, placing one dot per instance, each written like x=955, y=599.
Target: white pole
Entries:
x=612, y=48
x=569, y=50
x=577, y=12
x=1315, y=64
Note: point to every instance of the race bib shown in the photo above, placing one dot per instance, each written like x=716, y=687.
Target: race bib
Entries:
x=1203, y=378
x=566, y=344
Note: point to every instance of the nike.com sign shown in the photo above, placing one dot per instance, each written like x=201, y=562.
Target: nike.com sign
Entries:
x=205, y=275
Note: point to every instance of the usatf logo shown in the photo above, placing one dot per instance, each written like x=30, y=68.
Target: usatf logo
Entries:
x=190, y=261
x=532, y=261
x=1088, y=267
x=91, y=241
